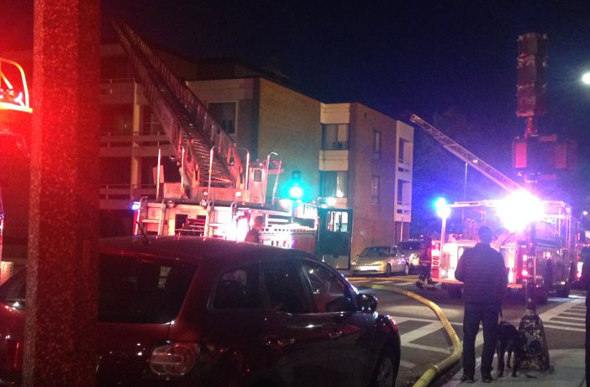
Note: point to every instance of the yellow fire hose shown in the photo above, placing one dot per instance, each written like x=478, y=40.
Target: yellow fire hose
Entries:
x=433, y=370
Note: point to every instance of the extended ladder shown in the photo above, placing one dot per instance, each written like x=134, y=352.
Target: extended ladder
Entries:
x=194, y=134
x=463, y=154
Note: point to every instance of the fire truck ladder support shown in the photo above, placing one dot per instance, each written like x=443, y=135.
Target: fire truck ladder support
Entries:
x=463, y=154
x=185, y=119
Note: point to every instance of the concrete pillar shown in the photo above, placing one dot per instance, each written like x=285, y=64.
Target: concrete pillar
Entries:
x=60, y=343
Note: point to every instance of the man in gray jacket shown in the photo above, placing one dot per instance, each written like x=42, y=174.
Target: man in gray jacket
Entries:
x=484, y=277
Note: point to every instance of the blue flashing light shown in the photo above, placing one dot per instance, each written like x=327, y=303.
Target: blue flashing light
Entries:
x=135, y=206
x=443, y=210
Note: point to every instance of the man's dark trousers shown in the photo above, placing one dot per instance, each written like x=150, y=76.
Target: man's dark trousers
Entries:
x=488, y=315
x=587, y=342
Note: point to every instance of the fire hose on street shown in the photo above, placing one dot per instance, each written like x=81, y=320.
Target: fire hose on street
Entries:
x=433, y=370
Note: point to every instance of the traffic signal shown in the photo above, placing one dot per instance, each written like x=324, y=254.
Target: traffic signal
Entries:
x=295, y=187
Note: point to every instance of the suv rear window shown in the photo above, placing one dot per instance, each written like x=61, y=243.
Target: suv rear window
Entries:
x=133, y=290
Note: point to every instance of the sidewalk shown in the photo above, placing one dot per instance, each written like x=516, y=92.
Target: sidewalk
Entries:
x=567, y=370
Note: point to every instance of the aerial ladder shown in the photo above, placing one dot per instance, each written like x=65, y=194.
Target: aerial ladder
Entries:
x=466, y=156
x=207, y=157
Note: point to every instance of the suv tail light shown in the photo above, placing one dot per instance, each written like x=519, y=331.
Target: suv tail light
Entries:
x=174, y=359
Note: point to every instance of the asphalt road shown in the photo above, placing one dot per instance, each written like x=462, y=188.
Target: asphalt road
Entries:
x=424, y=340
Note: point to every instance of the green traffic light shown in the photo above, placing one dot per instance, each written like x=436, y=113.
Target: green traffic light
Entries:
x=295, y=192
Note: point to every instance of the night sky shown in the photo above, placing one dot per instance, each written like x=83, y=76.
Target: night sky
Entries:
x=428, y=57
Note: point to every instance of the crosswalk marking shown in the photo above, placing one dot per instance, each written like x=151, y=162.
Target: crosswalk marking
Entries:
x=425, y=330
x=564, y=312
x=563, y=317
x=564, y=328
x=567, y=323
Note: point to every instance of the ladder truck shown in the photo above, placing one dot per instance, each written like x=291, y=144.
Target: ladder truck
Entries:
x=543, y=251
x=219, y=193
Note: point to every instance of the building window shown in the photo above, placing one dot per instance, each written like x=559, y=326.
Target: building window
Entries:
x=334, y=136
x=116, y=120
x=400, y=192
x=115, y=170
x=334, y=184
x=400, y=152
x=376, y=144
x=149, y=124
x=225, y=115
x=375, y=188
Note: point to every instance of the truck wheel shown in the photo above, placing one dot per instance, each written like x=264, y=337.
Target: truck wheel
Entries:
x=541, y=295
x=454, y=291
x=564, y=291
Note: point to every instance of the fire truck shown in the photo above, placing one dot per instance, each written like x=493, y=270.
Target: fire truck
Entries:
x=538, y=238
x=221, y=190
x=543, y=250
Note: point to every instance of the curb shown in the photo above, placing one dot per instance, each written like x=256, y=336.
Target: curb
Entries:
x=433, y=370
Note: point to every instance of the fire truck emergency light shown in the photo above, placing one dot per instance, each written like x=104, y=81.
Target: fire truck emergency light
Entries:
x=519, y=210
x=443, y=210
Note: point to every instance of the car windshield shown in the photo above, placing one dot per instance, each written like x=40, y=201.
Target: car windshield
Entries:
x=409, y=245
x=375, y=251
x=133, y=290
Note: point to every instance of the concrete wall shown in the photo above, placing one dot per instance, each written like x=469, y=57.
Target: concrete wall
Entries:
x=289, y=124
x=373, y=222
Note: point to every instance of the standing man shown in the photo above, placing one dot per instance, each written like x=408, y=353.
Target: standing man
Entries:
x=484, y=277
x=254, y=235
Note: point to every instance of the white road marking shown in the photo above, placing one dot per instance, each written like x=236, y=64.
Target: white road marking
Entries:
x=418, y=333
x=428, y=348
x=406, y=364
x=563, y=317
x=553, y=312
x=564, y=328
x=402, y=319
x=566, y=323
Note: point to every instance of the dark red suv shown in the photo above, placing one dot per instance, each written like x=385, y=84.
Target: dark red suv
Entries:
x=204, y=312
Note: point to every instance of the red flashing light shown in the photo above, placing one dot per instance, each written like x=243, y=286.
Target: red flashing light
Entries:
x=525, y=273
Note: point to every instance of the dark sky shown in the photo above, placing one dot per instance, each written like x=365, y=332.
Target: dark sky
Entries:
x=421, y=56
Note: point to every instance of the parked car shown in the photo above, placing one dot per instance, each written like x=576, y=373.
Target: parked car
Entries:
x=379, y=260
x=416, y=252
x=204, y=312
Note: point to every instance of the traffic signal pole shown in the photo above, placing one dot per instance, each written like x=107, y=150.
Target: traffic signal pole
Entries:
x=531, y=64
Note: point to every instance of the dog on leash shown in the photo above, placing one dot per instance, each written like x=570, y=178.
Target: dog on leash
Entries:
x=508, y=341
